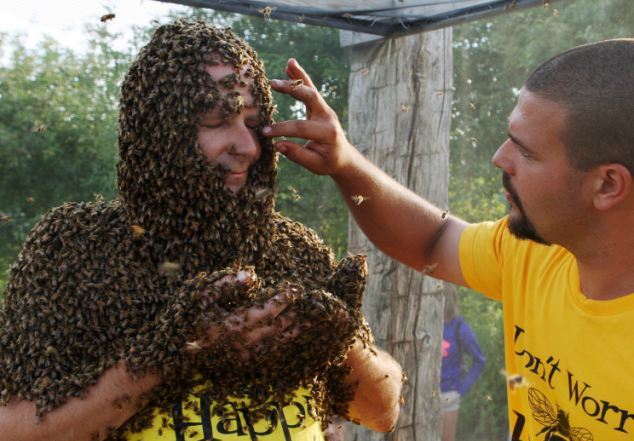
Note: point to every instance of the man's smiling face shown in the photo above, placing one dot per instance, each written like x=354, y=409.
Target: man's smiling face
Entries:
x=227, y=135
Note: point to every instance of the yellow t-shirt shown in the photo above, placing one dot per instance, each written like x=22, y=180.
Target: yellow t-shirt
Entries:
x=195, y=420
x=570, y=360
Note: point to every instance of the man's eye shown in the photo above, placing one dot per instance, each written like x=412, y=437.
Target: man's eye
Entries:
x=214, y=125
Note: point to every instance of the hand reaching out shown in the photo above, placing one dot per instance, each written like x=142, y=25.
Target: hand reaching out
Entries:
x=327, y=151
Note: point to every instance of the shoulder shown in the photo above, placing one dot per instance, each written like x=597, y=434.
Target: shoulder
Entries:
x=75, y=221
x=71, y=229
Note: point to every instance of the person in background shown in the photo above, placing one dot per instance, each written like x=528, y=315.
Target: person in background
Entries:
x=458, y=340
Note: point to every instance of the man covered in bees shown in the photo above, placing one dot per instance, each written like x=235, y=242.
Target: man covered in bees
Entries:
x=188, y=308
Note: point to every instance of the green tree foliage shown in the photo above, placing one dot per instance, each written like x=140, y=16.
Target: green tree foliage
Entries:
x=57, y=131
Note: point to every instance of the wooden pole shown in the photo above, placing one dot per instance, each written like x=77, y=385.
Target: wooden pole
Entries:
x=399, y=117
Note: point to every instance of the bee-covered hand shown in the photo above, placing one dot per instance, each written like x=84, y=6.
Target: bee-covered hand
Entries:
x=327, y=151
x=246, y=326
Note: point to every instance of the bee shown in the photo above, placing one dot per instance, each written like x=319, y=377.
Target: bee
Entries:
x=404, y=108
x=30, y=200
x=40, y=129
x=444, y=214
x=5, y=219
x=106, y=17
x=514, y=380
x=358, y=199
x=266, y=12
x=430, y=268
x=294, y=193
x=262, y=193
x=137, y=230
x=193, y=347
x=296, y=83
x=169, y=268
x=556, y=423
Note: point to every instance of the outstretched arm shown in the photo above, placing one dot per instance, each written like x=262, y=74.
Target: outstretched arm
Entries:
x=399, y=222
x=108, y=404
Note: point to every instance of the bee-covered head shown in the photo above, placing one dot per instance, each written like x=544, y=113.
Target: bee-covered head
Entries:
x=191, y=107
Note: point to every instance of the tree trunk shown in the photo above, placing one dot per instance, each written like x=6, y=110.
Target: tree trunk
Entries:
x=399, y=118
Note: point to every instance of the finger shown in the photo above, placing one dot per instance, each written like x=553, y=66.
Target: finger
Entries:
x=308, y=94
x=226, y=280
x=301, y=155
x=300, y=128
x=253, y=316
x=297, y=72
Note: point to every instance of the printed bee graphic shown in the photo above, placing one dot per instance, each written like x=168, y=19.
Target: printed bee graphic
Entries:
x=556, y=423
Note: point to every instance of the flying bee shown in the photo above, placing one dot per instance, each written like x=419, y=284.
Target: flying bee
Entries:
x=358, y=199
x=556, y=423
x=430, y=268
x=514, y=381
x=106, y=17
x=266, y=11
x=294, y=193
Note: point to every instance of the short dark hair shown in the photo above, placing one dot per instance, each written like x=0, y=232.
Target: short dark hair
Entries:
x=595, y=84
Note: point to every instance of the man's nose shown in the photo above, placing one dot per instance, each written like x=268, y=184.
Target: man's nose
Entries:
x=502, y=158
x=246, y=142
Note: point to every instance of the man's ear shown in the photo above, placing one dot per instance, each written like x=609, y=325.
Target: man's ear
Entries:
x=613, y=184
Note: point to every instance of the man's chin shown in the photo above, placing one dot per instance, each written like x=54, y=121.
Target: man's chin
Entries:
x=234, y=185
x=524, y=230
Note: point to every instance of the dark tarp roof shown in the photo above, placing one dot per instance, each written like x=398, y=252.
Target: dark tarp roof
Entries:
x=384, y=18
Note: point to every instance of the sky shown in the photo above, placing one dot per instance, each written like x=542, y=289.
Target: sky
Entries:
x=64, y=19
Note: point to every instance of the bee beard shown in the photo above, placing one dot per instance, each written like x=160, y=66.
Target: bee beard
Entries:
x=519, y=225
x=195, y=221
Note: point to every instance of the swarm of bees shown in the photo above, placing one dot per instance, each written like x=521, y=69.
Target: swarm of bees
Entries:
x=135, y=279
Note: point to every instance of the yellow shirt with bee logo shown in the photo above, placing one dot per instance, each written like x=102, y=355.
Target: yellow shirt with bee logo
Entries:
x=569, y=359
x=196, y=419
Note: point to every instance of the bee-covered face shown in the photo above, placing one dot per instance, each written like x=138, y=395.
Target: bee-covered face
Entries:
x=191, y=104
x=228, y=134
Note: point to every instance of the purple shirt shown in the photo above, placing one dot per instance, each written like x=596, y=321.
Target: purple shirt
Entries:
x=458, y=340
